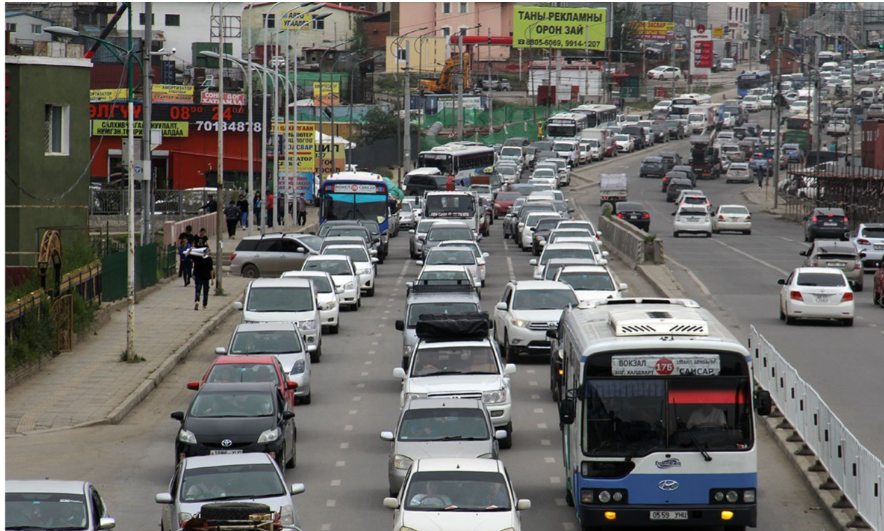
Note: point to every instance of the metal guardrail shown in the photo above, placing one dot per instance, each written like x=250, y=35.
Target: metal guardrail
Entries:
x=630, y=242
x=856, y=471
x=171, y=229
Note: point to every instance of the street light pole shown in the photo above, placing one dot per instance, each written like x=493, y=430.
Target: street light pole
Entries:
x=146, y=107
x=220, y=198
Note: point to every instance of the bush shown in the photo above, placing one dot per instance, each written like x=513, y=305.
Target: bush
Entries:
x=35, y=337
x=607, y=210
x=83, y=314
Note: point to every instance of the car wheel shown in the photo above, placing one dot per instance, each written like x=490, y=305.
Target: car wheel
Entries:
x=250, y=271
x=370, y=292
x=507, y=443
x=848, y=322
x=675, y=234
x=708, y=234
x=334, y=329
x=747, y=232
x=316, y=355
x=790, y=320
x=359, y=303
x=291, y=462
x=306, y=399
x=858, y=287
x=508, y=353
x=782, y=315
x=569, y=498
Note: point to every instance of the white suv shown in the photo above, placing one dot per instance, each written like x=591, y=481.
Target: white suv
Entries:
x=694, y=219
x=526, y=311
x=326, y=296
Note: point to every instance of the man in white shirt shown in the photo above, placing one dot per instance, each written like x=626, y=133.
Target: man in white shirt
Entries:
x=707, y=417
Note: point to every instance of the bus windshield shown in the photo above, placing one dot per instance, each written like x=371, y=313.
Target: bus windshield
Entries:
x=442, y=161
x=636, y=416
x=561, y=129
x=337, y=206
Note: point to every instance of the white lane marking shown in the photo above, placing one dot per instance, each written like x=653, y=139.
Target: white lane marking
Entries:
x=374, y=342
x=691, y=274
x=364, y=374
x=336, y=483
x=372, y=352
x=530, y=371
x=404, y=269
x=326, y=527
x=568, y=526
x=555, y=480
x=359, y=386
x=344, y=446
x=353, y=411
x=873, y=325
x=340, y=463
x=368, y=362
x=348, y=427
x=509, y=265
x=357, y=398
x=532, y=382
x=549, y=459
x=330, y=503
x=545, y=442
x=542, y=426
x=860, y=317
x=538, y=410
x=750, y=257
x=382, y=325
x=386, y=311
x=535, y=397
x=560, y=502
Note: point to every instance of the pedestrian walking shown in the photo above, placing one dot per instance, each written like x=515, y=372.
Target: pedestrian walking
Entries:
x=280, y=209
x=203, y=275
x=759, y=174
x=185, y=264
x=201, y=239
x=243, y=206
x=233, y=215
x=269, y=203
x=210, y=206
x=302, y=210
x=256, y=204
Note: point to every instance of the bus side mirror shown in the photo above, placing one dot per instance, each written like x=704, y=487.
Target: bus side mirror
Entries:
x=567, y=411
x=763, y=403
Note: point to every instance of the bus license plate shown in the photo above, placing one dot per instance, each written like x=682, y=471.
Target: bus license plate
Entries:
x=669, y=515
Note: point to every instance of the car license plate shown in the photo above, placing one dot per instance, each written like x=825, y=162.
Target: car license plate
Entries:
x=734, y=219
x=837, y=264
x=821, y=298
x=223, y=452
x=669, y=515
x=830, y=224
x=693, y=220
x=633, y=217
x=879, y=247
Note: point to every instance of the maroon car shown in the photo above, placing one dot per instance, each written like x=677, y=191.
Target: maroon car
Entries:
x=503, y=201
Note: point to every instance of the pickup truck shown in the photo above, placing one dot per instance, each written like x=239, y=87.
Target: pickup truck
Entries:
x=613, y=188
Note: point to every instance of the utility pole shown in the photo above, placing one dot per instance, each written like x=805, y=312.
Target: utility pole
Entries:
x=460, y=85
x=146, y=106
x=220, y=198
x=406, y=139
x=777, y=99
x=130, y=243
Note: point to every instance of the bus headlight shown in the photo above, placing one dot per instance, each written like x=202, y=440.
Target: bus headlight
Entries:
x=732, y=496
x=604, y=496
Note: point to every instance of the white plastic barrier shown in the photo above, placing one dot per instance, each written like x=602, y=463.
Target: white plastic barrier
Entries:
x=858, y=473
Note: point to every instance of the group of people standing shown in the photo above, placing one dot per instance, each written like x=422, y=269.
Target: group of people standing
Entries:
x=236, y=213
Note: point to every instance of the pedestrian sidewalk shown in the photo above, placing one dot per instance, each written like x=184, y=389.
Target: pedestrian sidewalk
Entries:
x=763, y=198
x=90, y=385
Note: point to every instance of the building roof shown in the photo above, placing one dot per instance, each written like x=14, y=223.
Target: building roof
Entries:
x=380, y=17
x=326, y=4
x=23, y=13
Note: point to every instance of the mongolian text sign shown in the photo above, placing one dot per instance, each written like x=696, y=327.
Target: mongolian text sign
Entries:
x=653, y=30
x=121, y=128
x=211, y=98
x=108, y=94
x=327, y=92
x=296, y=19
x=172, y=93
x=559, y=27
x=666, y=365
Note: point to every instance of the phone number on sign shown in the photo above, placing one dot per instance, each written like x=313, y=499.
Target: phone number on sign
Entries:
x=558, y=43
x=237, y=127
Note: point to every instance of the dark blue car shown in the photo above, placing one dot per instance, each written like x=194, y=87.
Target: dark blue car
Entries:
x=793, y=153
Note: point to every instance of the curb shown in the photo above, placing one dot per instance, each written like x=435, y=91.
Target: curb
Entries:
x=159, y=374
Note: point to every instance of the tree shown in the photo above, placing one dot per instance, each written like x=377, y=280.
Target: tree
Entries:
x=378, y=125
x=624, y=35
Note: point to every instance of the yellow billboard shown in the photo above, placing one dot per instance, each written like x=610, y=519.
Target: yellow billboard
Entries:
x=653, y=30
x=108, y=94
x=296, y=19
x=171, y=93
x=121, y=128
x=327, y=93
x=560, y=27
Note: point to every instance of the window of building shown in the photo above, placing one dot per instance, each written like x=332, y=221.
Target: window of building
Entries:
x=173, y=20
x=446, y=31
x=730, y=13
x=402, y=55
x=37, y=29
x=153, y=18
x=11, y=28
x=55, y=134
x=319, y=24
x=269, y=20
x=463, y=7
x=446, y=8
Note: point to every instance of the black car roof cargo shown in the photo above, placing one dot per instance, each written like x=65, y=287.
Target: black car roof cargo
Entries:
x=454, y=327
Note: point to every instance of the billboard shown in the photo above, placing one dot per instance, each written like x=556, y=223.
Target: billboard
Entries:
x=211, y=98
x=121, y=128
x=296, y=20
x=329, y=91
x=702, y=53
x=654, y=31
x=560, y=27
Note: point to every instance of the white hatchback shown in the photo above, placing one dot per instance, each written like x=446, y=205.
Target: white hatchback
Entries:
x=732, y=218
x=692, y=219
x=364, y=262
x=816, y=293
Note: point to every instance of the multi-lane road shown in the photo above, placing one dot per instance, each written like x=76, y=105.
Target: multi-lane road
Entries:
x=341, y=458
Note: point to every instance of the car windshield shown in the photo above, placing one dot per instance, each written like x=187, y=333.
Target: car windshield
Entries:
x=507, y=196
x=457, y=491
x=544, y=173
x=266, y=342
x=45, y=510
x=246, y=372
x=506, y=169
x=344, y=231
x=566, y=253
x=691, y=212
x=511, y=151
x=444, y=424
x=828, y=280
x=440, y=361
x=445, y=277
x=441, y=234
x=280, y=299
x=592, y=281
x=320, y=283
x=406, y=207
x=332, y=267
x=472, y=247
x=563, y=146
x=440, y=205
x=450, y=257
x=533, y=220
x=357, y=254
x=234, y=403
x=247, y=482
x=544, y=299
x=438, y=308
x=547, y=224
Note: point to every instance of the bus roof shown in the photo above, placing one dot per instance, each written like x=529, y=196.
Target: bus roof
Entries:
x=627, y=324
x=356, y=176
x=595, y=107
x=568, y=116
x=763, y=73
x=458, y=149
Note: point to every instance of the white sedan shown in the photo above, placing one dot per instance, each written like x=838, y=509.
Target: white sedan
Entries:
x=665, y=72
x=816, y=293
x=732, y=218
x=624, y=143
x=693, y=219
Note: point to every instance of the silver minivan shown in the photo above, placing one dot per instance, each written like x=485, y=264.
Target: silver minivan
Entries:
x=439, y=427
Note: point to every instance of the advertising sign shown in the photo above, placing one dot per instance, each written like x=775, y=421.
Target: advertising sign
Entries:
x=559, y=27
x=172, y=93
x=211, y=98
x=717, y=33
x=108, y=94
x=121, y=128
x=306, y=142
x=666, y=365
x=653, y=30
x=703, y=53
x=328, y=91
x=296, y=20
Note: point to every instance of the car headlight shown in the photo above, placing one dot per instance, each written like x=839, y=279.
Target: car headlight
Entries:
x=412, y=396
x=186, y=437
x=328, y=306
x=299, y=367
x=494, y=397
x=521, y=323
x=184, y=517
x=307, y=325
x=269, y=436
x=286, y=515
x=365, y=271
x=348, y=285
x=402, y=462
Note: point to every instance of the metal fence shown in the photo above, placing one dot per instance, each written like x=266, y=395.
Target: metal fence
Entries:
x=115, y=202
x=858, y=473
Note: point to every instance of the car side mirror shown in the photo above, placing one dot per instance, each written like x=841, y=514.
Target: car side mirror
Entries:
x=387, y=436
x=106, y=523
x=673, y=214
x=523, y=505
x=420, y=263
x=178, y=415
x=509, y=368
x=289, y=384
x=399, y=372
x=193, y=386
x=297, y=488
x=339, y=290
x=485, y=255
x=605, y=253
x=220, y=351
x=781, y=282
x=163, y=498
x=501, y=306
x=803, y=253
x=624, y=286
x=391, y=503
x=533, y=261
x=598, y=233
x=375, y=260
x=400, y=325
x=301, y=250
x=237, y=305
x=567, y=410
x=373, y=252
x=479, y=237
x=763, y=403
x=410, y=231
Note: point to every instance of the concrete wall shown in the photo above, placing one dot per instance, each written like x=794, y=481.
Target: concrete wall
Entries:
x=34, y=82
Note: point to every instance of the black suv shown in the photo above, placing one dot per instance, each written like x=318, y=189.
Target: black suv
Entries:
x=830, y=223
x=419, y=184
x=637, y=133
x=652, y=166
x=634, y=213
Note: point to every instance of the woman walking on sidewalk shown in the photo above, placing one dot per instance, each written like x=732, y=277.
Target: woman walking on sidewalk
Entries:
x=233, y=216
x=203, y=275
x=243, y=206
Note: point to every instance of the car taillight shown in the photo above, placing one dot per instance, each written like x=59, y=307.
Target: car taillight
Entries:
x=845, y=219
x=863, y=241
x=647, y=216
x=847, y=297
x=748, y=218
x=858, y=265
x=720, y=217
x=796, y=296
x=814, y=219
x=233, y=256
x=620, y=214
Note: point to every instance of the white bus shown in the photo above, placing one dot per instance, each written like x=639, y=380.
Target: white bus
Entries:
x=682, y=104
x=657, y=416
x=598, y=115
x=565, y=125
x=457, y=159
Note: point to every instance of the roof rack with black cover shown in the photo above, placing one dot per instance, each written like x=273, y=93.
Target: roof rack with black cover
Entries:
x=457, y=327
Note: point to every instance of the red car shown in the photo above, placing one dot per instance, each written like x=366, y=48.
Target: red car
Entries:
x=503, y=202
x=878, y=286
x=611, y=149
x=231, y=369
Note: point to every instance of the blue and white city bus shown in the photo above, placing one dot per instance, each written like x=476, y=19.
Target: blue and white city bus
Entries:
x=751, y=80
x=657, y=416
x=355, y=195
